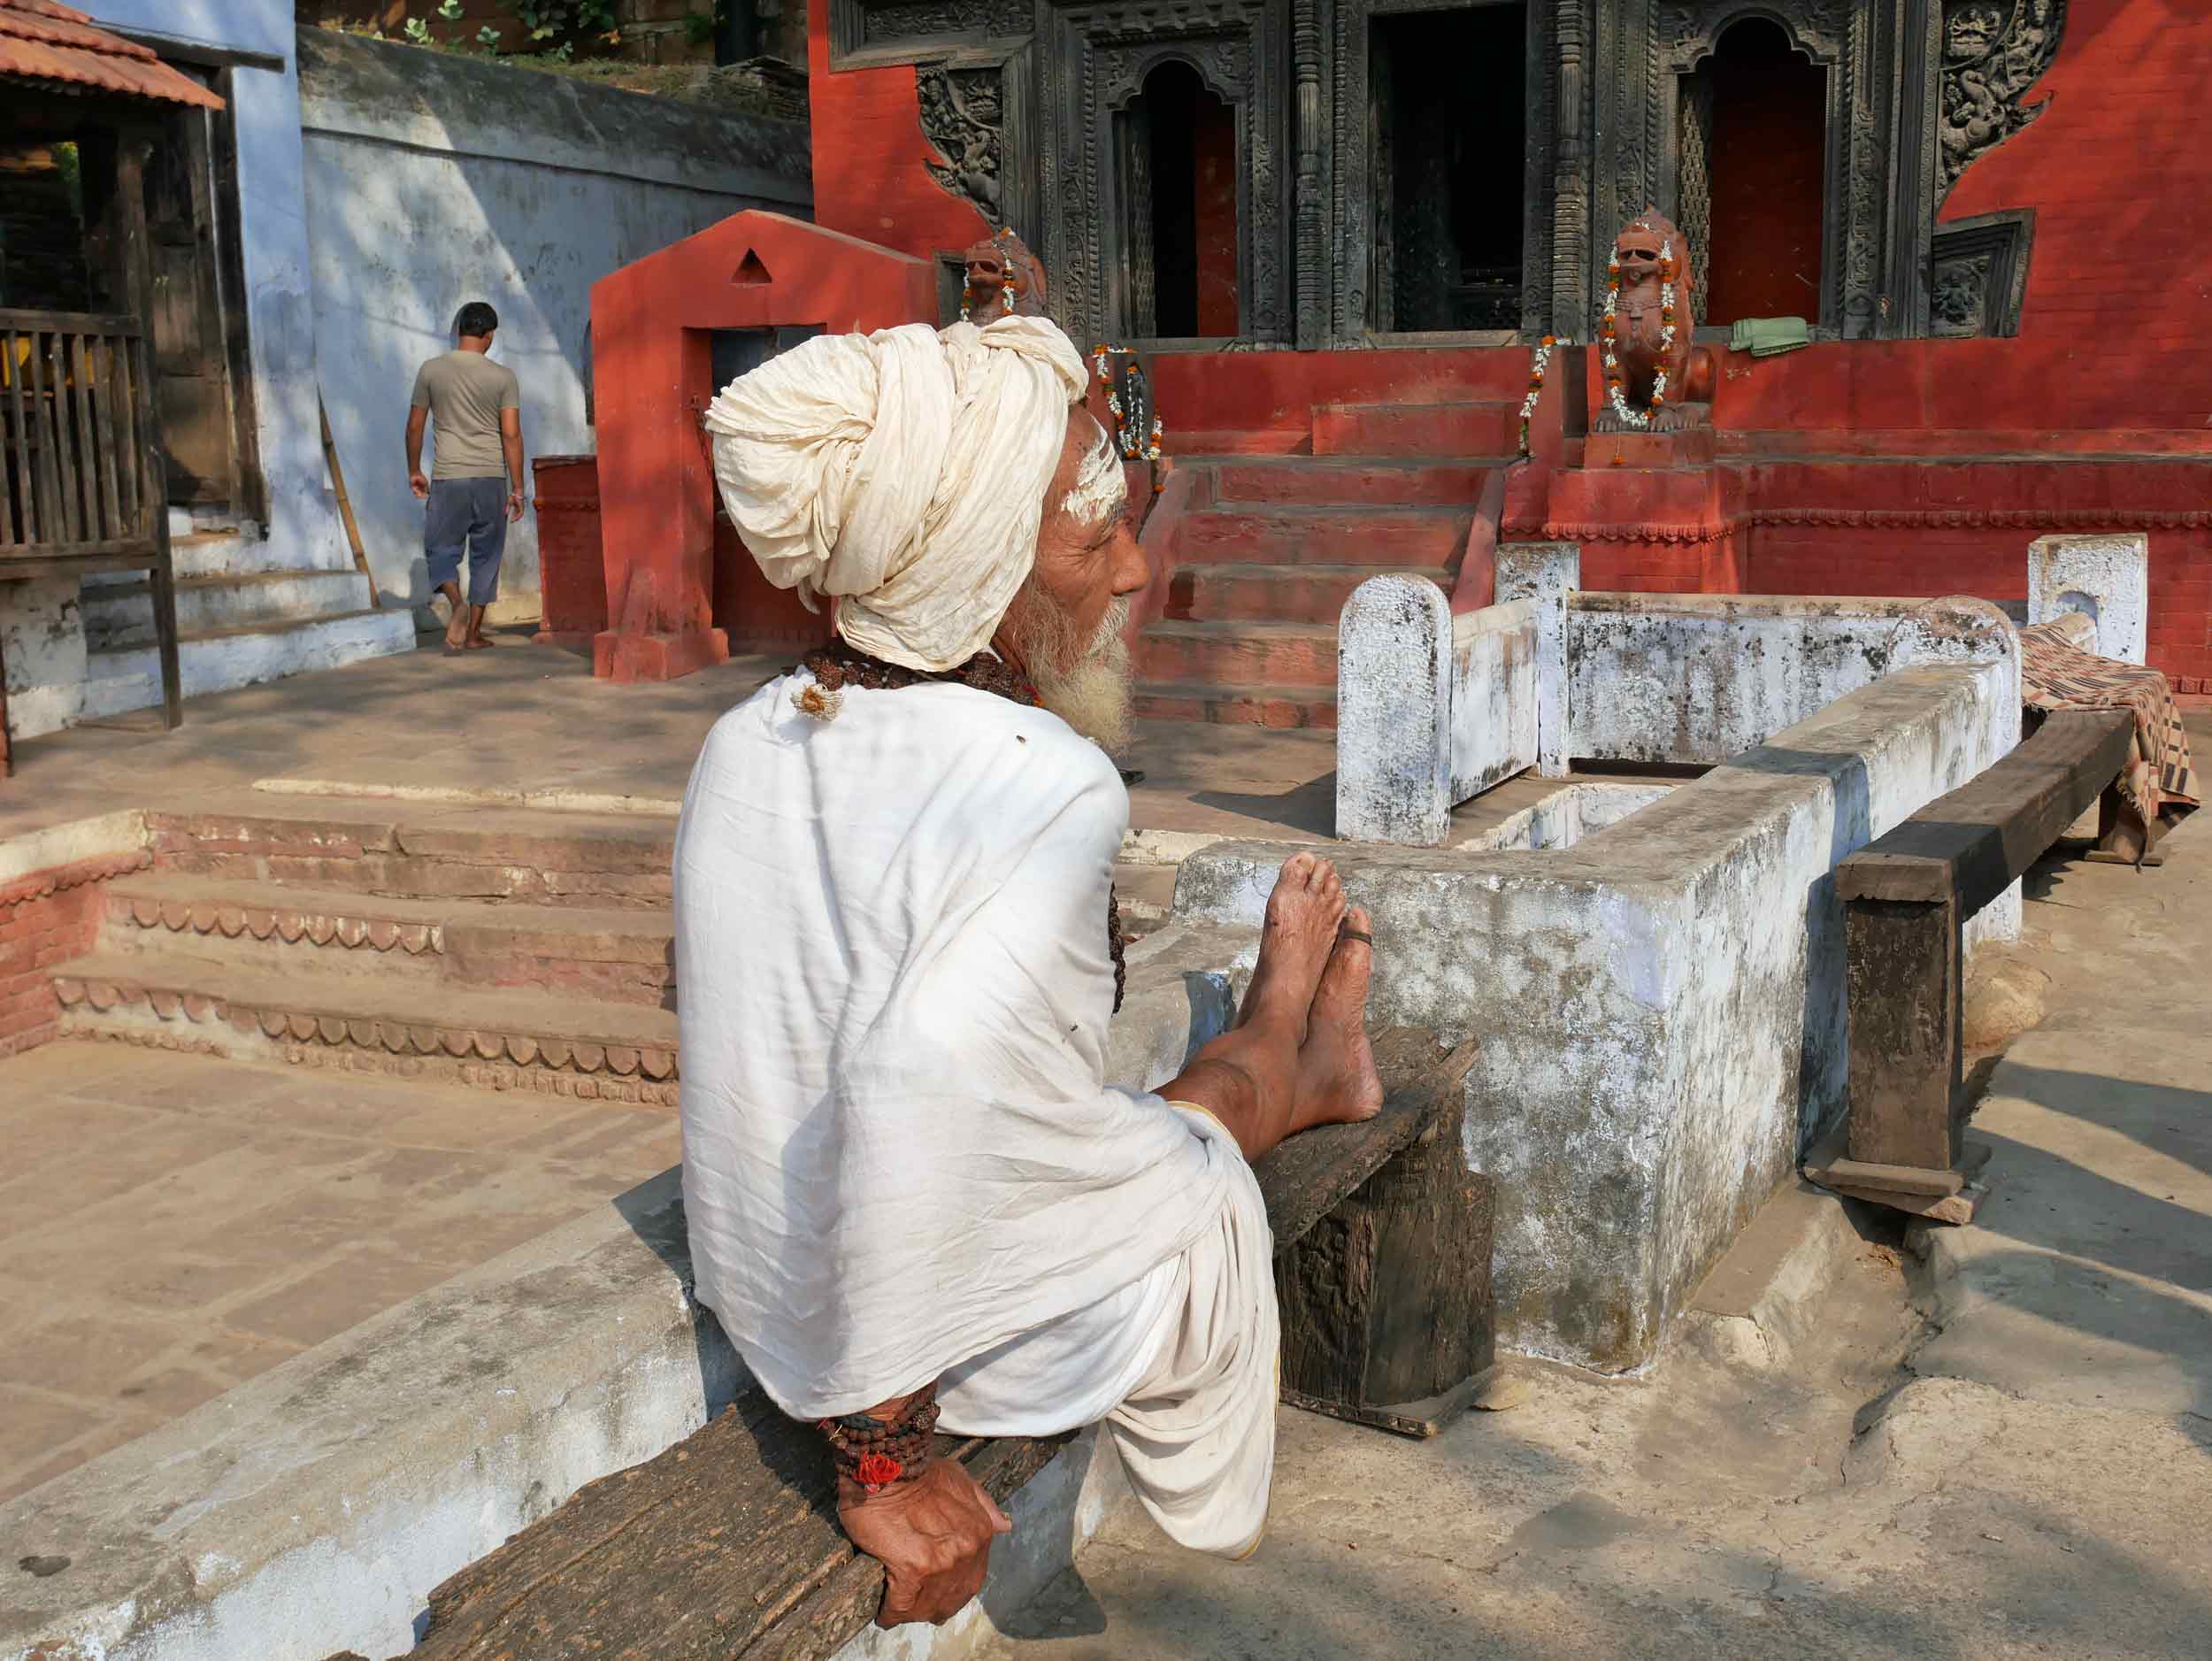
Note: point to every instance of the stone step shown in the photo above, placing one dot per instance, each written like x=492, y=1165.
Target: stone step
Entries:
x=1480, y=427
x=1433, y=536
x=560, y=860
x=624, y=955
x=121, y=615
x=1238, y=655
x=221, y=659
x=1247, y=705
x=502, y=1040
x=1144, y=893
x=1284, y=594
x=1349, y=481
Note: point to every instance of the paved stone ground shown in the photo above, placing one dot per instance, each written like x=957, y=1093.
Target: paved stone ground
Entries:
x=525, y=717
x=2001, y=1448
x=171, y=1225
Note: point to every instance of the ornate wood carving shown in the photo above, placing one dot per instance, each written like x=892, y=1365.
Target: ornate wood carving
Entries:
x=1094, y=60
x=905, y=31
x=1992, y=51
x=1978, y=274
x=964, y=117
x=1305, y=57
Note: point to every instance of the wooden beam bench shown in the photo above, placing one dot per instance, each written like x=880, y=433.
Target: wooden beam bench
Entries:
x=1907, y=897
x=727, y=1545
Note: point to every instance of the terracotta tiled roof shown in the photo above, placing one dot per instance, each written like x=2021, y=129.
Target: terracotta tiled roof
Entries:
x=42, y=41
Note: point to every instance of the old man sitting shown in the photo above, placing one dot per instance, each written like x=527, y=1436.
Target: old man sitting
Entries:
x=915, y=1198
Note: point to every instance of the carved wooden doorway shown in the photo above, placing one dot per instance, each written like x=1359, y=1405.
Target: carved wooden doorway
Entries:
x=1753, y=176
x=1176, y=147
x=1447, y=148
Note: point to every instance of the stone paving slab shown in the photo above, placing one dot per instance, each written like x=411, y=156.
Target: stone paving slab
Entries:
x=172, y=1224
x=530, y=718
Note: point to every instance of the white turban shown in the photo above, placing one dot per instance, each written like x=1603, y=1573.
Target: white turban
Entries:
x=904, y=472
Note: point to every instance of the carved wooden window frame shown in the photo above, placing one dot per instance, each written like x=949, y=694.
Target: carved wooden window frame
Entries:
x=1350, y=240
x=1093, y=59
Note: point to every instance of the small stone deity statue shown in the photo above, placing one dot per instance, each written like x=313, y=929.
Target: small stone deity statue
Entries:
x=1655, y=379
x=1004, y=279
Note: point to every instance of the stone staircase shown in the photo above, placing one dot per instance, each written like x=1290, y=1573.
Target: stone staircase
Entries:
x=1263, y=571
x=506, y=950
x=236, y=624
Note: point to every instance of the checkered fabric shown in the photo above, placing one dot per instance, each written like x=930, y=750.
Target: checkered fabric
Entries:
x=2054, y=676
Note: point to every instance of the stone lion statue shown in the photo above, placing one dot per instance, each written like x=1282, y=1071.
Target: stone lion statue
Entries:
x=1650, y=255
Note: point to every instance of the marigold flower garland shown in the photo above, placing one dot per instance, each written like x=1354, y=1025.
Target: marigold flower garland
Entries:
x=1538, y=364
x=1639, y=419
x=1132, y=450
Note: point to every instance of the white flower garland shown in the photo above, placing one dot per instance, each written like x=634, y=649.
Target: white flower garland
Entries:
x=1638, y=420
x=1129, y=448
x=1538, y=365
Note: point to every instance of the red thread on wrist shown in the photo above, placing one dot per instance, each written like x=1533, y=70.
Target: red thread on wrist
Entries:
x=878, y=1470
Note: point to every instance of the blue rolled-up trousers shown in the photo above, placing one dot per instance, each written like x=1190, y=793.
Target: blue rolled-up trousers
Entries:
x=466, y=516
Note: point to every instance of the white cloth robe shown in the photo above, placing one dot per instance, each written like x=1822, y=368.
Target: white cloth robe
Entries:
x=901, y=1159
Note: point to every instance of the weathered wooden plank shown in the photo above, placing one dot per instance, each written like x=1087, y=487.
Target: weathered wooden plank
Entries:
x=76, y=322
x=123, y=397
x=725, y=1546
x=1967, y=848
x=19, y=430
x=1903, y=1005
x=1305, y=1177
x=91, y=461
x=53, y=525
x=113, y=462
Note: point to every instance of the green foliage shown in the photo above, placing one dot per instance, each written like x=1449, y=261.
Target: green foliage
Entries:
x=417, y=31
x=552, y=19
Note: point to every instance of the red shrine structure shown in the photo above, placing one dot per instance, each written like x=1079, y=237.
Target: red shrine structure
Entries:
x=1337, y=233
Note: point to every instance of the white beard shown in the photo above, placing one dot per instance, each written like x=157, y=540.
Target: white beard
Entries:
x=1094, y=692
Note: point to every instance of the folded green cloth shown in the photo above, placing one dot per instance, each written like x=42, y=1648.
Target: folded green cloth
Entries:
x=1765, y=336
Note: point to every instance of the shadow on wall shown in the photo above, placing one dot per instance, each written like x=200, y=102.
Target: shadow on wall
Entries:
x=401, y=235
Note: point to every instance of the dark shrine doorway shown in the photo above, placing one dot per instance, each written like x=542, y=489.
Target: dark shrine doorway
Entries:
x=1447, y=132
x=1756, y=129
x=1180, y=245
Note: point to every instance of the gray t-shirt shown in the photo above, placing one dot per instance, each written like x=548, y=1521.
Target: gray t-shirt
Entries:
x=464, y=393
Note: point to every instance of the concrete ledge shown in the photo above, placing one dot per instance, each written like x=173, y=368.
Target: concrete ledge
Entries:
x=1660, y=1005
x=56, y=845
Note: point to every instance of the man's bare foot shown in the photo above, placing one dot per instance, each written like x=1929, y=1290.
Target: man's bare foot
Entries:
x=1300, y=932
x=1336, y=1082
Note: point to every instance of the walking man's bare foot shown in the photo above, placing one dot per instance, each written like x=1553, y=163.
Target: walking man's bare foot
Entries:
x=1300, y=932
x=457, y=627
x=1336, y=1082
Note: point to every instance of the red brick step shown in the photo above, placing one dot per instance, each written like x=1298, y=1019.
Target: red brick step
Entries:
x=1283, y=594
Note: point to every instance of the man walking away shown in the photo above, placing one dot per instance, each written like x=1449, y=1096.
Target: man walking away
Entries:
x=478, y=409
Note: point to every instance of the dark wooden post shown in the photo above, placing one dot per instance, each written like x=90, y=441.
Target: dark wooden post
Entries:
x=1384, y=1282
x=134, y=253
x=1904, y=1009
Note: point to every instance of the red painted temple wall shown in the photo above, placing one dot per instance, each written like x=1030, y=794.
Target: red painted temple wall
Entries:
x=870, y=176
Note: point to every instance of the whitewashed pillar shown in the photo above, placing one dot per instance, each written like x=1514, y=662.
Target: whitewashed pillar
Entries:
x=2108, y=578
x=1393, y=713
x=1546, y=572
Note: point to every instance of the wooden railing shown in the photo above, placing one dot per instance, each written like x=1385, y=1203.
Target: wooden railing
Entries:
x=82, y=482
x=80, y=467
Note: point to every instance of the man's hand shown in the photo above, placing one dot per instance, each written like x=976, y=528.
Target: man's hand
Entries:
x=419, y=485
x=514, y=507
x=933, y=1536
